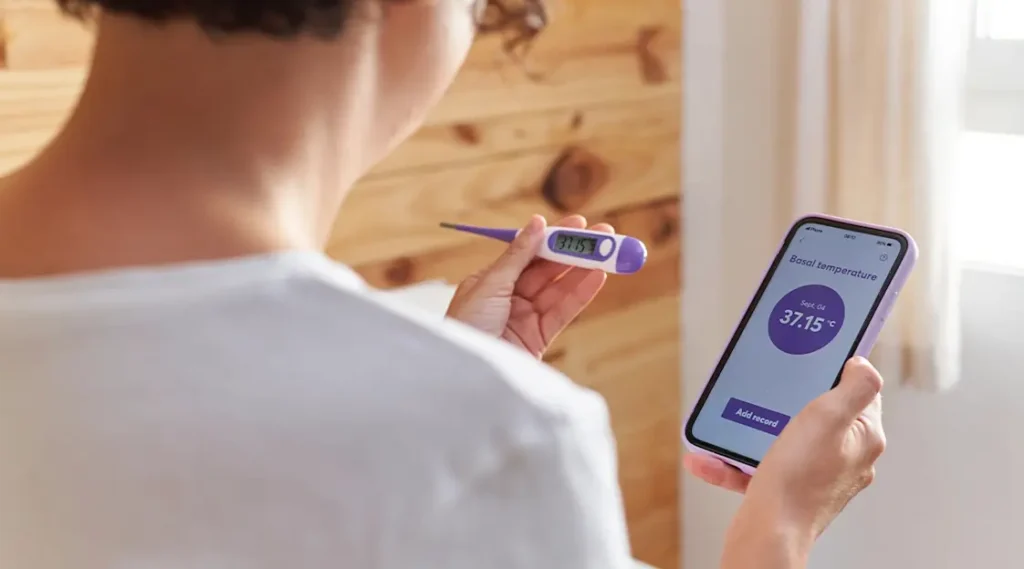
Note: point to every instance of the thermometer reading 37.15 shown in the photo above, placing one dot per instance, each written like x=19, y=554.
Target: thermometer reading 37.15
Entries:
x=611, y=253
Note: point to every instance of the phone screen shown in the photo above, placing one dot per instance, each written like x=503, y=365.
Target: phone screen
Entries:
x=806, y=320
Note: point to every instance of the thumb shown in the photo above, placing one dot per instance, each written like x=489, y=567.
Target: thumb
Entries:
x=520, y=253
x=858, y=388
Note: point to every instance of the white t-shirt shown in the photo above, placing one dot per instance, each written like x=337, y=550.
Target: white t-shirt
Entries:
x=273, y=412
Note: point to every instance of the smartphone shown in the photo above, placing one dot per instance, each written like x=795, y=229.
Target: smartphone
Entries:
x=823, y=300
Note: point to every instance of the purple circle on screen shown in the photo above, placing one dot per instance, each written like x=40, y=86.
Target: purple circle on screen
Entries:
x=806, y=319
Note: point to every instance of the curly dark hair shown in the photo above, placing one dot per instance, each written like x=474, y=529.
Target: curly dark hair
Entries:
x=285, y=19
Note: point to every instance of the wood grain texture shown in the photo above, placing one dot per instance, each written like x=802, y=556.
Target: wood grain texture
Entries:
x=600, y=176
x=33, y=104
x=588, y=123
x=37, y=37
x=473, y=141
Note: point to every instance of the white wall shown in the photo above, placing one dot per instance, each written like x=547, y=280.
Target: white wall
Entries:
x=950, y=489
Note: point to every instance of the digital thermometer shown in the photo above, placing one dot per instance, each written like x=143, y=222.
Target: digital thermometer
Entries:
x=611, y=253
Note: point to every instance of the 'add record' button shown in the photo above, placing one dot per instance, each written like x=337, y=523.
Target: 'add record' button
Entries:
x=755, y=417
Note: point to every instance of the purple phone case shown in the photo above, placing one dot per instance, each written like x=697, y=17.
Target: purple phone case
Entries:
x=867, y=342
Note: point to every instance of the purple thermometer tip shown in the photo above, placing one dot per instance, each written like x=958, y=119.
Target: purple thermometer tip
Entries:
x=506, y=235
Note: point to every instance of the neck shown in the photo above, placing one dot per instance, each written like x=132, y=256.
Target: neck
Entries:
x=182, y=149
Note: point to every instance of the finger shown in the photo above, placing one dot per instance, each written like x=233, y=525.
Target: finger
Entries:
x=519, y=254
x=873, y=442
x=554, y=289
x=555, y=294
x=563, y=300
x=542, y=272
x=465, y=287
x=575, y=220
x=716, y=472
x=859, y=387
x=872, y=415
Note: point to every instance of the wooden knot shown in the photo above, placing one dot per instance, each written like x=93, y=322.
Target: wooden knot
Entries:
x=652, y=69
x=467, y=134
x=400, y=271
x=666, y=230
x=553, y=356
x=574, y=179
x=577, y=121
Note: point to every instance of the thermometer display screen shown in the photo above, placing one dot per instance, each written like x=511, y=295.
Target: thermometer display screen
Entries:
x=576, y=244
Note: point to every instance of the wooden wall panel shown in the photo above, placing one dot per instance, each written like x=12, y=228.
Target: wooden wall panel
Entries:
x=588, y=123
x=591, y=179
x=34, y=38
x=33, y=104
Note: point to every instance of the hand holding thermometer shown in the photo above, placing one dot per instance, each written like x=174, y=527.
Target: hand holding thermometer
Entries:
x=611, y=253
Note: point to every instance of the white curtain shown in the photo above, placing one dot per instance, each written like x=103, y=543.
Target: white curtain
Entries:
x=847, y=107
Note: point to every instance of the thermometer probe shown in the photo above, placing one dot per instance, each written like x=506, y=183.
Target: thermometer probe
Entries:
x=611, y=253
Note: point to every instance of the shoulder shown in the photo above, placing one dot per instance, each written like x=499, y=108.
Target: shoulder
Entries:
x=448, y=366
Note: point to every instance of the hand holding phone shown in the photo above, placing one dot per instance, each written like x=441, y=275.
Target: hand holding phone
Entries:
x=823, y=459
x=823, y=300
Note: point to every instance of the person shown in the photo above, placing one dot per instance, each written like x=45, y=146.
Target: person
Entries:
x=187, y=381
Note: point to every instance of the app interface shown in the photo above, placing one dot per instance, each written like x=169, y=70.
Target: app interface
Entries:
x=798, y=336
